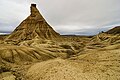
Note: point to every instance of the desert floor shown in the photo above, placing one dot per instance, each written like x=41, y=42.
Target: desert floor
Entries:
x=66, y=58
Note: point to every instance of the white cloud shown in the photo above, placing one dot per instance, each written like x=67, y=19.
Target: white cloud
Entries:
x=75, y=16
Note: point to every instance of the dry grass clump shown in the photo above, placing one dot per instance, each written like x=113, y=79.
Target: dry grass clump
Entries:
x=70, y=53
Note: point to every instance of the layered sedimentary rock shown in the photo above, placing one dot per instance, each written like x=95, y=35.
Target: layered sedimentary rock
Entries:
x=34, y=26
x=21, y=54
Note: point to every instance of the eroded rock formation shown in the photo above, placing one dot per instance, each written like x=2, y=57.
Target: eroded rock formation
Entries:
x=34, y=26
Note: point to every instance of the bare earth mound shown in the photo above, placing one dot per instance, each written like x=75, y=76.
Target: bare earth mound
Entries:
x=57, y=69
x=115, y=30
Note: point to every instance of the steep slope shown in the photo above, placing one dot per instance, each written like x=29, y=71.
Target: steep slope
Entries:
x=106, y=38
x=34, y=26
x=112, y=36
x=115, y=30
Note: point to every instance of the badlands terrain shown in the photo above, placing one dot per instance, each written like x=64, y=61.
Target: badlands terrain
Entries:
x=34, y=51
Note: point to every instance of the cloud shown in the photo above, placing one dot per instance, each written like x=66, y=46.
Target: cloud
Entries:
x=65, y=16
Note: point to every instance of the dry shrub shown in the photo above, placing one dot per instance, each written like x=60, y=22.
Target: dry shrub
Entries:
x=70, y=53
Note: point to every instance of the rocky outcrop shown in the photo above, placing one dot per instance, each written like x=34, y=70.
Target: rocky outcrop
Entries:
x=115, y=30
x=34, y=26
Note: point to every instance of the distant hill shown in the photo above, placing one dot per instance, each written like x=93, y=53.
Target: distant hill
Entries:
x=115, y=30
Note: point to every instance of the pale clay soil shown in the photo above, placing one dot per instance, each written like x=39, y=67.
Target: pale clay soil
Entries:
x=53, y=60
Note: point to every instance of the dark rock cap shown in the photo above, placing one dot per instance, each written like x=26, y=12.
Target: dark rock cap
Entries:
x=33, y=5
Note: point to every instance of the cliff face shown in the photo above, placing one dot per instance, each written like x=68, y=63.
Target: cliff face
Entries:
x=34, y=26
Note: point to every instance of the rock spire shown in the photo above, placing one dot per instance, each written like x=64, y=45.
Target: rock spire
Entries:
x=34, y=26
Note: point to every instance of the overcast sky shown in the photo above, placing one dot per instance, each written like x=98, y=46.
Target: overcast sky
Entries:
x=84, y=17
